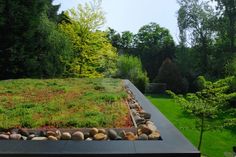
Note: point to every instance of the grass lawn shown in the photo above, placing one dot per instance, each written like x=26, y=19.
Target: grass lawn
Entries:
x=215, y=143
x=63, y=103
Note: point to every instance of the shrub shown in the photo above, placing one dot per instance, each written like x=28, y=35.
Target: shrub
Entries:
x=130, y=67
x=170, y=74
x=231, y=66
x=233, y=85
x=158, y=88
x=210, y=105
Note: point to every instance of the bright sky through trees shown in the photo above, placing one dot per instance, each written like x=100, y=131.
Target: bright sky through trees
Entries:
x=123, y=15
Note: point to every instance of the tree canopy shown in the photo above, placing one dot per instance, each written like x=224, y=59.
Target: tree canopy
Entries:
x=94, y=55
x=36, y=41
x=31, y=45
x=153, y=44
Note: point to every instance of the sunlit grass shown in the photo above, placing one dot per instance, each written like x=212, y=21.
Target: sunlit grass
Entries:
x=215, y=143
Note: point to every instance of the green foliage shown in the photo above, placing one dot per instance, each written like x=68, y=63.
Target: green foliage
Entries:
x=13, y=20
x=114, y=37
x=203, y=83
x=231, y=66
x=31, y=44
x=211, y=100
x=169, y=74
x=197, y=19
x=50, y=60
x=123, y=42
x=210, y=104
x=227, y=23
x=154, y=44
x=186, y=60
x=130, y=67
x=94, y=55
x=127, y=39
x=233, y=85
x=35, y=47
x=210, y=35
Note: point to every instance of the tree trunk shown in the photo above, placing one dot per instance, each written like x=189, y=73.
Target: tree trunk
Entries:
x=201, y=133
x=204, y=51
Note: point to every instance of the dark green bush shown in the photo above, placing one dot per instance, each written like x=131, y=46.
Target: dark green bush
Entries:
x=233, y=85
x=157, y=88
x=130, y=67
x=231, y=67
x=170, y=74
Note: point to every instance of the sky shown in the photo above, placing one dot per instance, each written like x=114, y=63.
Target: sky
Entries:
x=131, y=15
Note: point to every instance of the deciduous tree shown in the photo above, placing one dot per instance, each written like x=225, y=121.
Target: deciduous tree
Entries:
x=154, y=44
x=227, y=9
x=196, y=19
x=94, y=55
x=210, y=105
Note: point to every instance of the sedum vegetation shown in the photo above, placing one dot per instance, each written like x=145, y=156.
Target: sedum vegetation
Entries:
x=64, y=103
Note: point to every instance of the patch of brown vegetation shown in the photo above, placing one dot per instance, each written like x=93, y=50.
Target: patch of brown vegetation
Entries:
x=43, y=95
x=70, y=96
x=9, y=100
x=125, y=121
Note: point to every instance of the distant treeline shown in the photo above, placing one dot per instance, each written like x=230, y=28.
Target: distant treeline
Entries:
x=38, y=42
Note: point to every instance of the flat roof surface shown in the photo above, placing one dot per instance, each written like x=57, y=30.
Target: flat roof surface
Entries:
x=174, y=144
